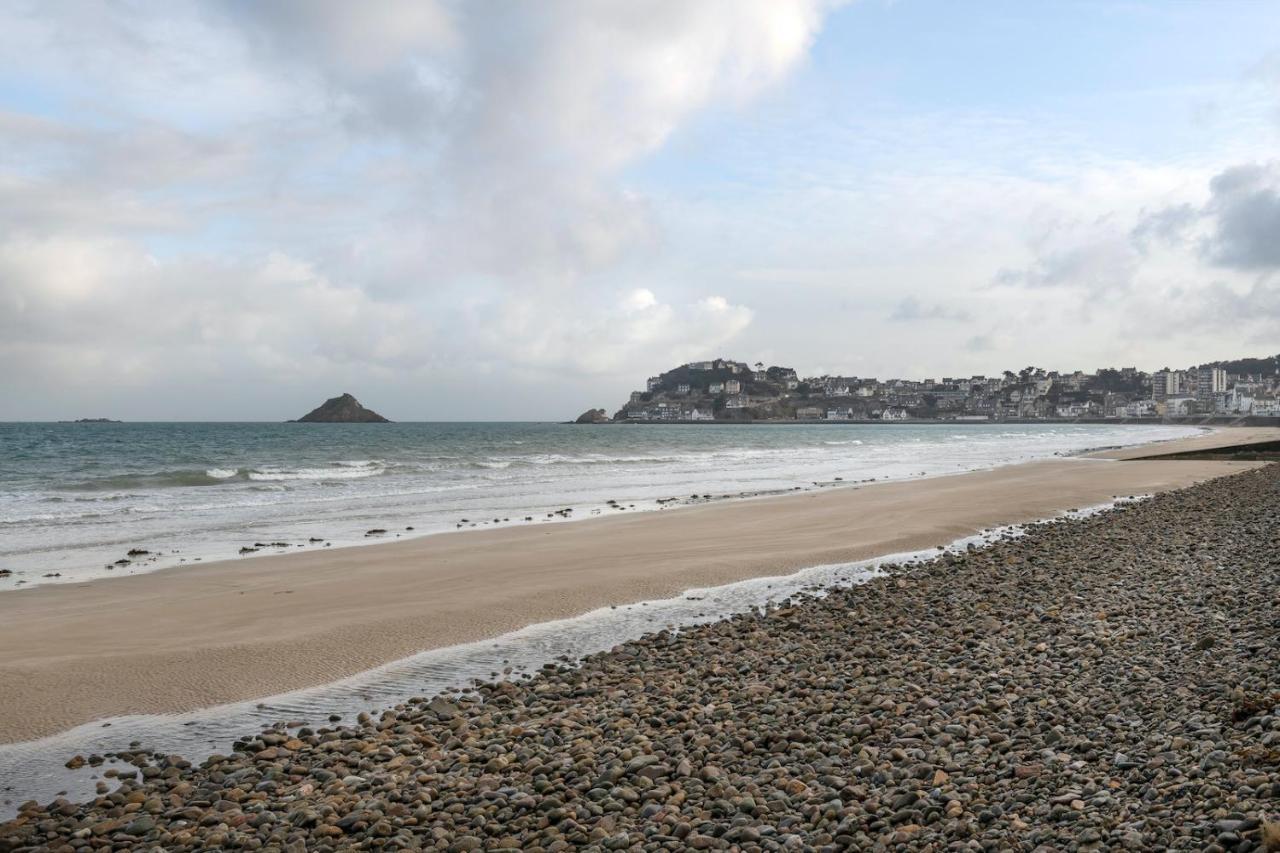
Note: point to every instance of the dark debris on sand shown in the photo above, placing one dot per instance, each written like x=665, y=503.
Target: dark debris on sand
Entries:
x=1111, y=682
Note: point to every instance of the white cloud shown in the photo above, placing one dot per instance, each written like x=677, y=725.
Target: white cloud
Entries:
x=615, y=336
x=271, y=192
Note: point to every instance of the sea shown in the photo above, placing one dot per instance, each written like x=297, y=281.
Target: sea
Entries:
x=75, y=498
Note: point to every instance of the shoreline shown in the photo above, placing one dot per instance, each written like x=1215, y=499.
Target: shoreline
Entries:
x=173, y=545
x=1104, y=681
x=225, y=632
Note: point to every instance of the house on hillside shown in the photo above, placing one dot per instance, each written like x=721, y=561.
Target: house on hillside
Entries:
x=732, y=386
x=715, y=388
x=1075, y=410
x=892, y=413
x=809, y=413
x=1139, y=409
x=652, y=383
x=682, y=388
x=842, y=414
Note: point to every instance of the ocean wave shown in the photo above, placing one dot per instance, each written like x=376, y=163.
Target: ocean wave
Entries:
x=154, y=480
x=541, y=459
x=337, y=471
x=219, y=475
x=841, y=443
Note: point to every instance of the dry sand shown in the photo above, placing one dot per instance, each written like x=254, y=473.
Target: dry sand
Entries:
x=186, y=638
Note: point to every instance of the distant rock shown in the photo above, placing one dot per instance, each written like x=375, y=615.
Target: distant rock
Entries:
x=91, y=421
x=342, y=410
x=593, y=416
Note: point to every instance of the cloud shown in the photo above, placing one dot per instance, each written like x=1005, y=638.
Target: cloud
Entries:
x=1168, y=225
x=1238, y=227
x=95, y=311
x=602, y=340
x=911, y=309
x=1096, y=260
x=1259, y=302
x=301, y=188
x=981, y=343
x=1244, y=211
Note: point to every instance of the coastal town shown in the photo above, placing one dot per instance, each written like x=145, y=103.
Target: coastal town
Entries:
x=726, y=390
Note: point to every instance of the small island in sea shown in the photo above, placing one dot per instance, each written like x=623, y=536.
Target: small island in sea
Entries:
x=341, y=410
x=92, y=421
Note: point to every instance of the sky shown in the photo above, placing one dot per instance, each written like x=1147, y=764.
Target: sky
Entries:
x=232, y=210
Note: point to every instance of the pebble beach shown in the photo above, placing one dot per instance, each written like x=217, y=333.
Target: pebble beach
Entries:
x=1106, y=682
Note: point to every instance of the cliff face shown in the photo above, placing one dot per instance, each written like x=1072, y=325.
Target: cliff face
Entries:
x=593, y=416
x=342, y=410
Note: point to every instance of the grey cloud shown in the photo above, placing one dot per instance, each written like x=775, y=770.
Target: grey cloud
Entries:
x=1168, y=225
x=1244, y=210
x=1260, y=302
x=980, y=343
x=1097, y=264
x=1237, y=228
x=910, y=309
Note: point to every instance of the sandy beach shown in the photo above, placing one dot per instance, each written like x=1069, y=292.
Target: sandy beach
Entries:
x=198, y=636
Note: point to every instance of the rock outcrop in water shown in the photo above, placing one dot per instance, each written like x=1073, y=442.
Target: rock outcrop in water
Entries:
x=342, y=410
x=593, y=416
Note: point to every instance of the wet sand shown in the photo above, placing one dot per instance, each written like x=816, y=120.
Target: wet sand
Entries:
x=203, y=635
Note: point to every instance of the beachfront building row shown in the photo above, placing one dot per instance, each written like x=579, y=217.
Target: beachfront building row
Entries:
x=724, y=389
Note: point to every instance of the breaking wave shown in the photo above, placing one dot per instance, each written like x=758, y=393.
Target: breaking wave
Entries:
x=335, y=471
x=178, y=478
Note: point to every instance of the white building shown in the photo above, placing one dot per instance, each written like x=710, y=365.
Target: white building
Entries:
x=715, y=388
x=1140, y=409
x=1210, y=381
x=1165, y=384
x=1075, y=410
x=732, y=386
x=894, y=414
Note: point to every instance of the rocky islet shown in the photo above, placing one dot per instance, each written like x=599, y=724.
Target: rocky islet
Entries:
x=1097, y=683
